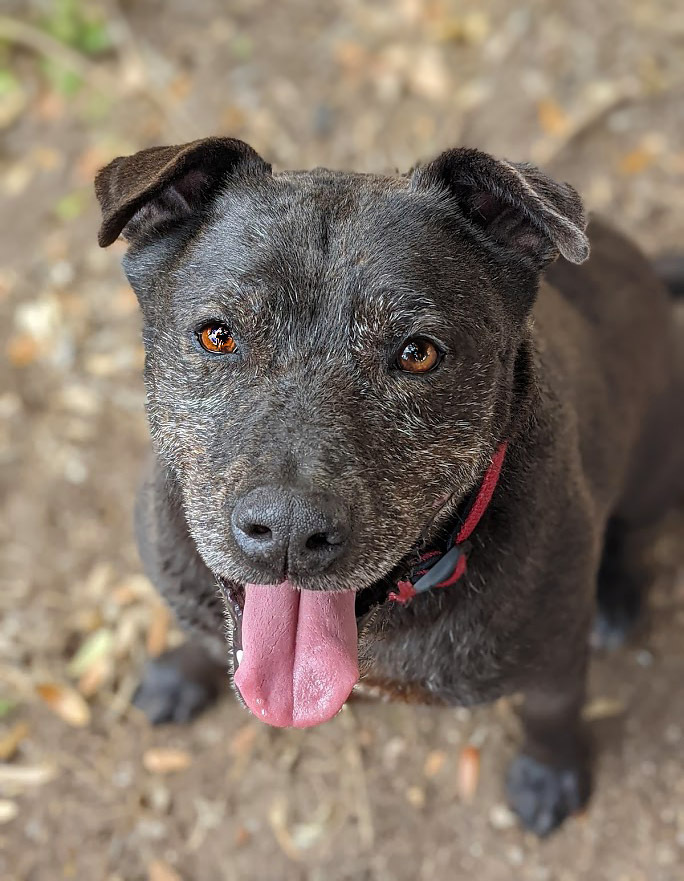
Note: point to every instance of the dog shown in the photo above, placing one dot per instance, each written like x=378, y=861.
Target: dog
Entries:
x=405, y=430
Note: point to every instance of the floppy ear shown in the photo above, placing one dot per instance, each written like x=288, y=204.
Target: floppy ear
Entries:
x=513, y=204
x=159, y=187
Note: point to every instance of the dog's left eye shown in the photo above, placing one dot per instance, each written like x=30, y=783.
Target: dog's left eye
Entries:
x=418, y=355
x=216, y=338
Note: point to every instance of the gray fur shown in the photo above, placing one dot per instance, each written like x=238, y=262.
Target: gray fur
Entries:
x=321, y=276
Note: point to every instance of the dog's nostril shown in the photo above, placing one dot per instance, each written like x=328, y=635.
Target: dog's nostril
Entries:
x=318, y=540
x=256, y=530
x=285, y=533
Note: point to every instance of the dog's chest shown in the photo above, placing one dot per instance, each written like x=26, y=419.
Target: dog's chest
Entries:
x=377, y=689
x=444, y=655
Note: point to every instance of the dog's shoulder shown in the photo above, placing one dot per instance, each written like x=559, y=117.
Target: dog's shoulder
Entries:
x=618, y=278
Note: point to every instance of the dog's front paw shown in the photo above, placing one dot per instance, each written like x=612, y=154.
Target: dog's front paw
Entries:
x=543, y=796
x=175, y=688
x=611, y=630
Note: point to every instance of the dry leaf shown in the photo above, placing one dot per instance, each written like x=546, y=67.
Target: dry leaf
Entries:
x=306, y=835
x=87, y=620
x=66, y=702
x=8, y=810
x=124, y=301
x=10, y=741
x=180, y=87
x=50, y=106
x=17, y=178
x=13, y=104
x=241, y=748
x=242, y=744
x=22, y=350
x=468, y=772
x=19, y=776
x=91, y=650
x=434, y=762
x=232, y=119
x=349, y=55
x=429, y=75
x=166, y=760
x=502, y=817
x=95, y=677
x=277, y=817
x=603, y=708
x=552, y=118
x=470, y=29
x=124, y=595
x=636, y=161
x=88, y=163
x=47, y=158
x=303, y=836
x=158, y=630
x=132, y=621
x=415, y=796
x=242, y=836
x=159, y=870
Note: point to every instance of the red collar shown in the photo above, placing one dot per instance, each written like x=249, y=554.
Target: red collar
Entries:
x=442, y=570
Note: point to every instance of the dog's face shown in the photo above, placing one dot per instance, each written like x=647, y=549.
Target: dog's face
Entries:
x=328, y=294
x=347, y=338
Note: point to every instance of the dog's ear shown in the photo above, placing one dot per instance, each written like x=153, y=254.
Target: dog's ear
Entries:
x=156, y=188
x=514, y=205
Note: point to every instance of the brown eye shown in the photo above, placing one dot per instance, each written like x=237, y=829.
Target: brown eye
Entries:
x=418, y=355
x=217, y=338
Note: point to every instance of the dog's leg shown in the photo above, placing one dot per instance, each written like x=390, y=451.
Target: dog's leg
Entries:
x=180, y=684
x=622, y=583
x=551, y=778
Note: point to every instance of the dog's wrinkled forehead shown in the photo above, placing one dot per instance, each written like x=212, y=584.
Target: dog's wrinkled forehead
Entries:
x=344, y=217
x=320, y=244
x=210, y=216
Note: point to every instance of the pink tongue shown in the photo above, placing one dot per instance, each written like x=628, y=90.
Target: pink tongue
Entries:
x=299, y=660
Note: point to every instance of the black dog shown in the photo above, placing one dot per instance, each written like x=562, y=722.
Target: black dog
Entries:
x=361, y=387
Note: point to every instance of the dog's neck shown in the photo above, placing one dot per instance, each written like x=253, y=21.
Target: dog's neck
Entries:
x=444, y=542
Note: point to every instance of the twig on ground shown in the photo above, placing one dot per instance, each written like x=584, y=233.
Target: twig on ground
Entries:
x=364, y=812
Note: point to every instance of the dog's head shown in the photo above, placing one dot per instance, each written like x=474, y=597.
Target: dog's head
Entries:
x=330, y=357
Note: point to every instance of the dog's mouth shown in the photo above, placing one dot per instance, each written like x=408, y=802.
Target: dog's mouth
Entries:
x=294, y=653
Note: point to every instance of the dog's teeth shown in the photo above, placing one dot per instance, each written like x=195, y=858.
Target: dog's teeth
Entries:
x=238, y=656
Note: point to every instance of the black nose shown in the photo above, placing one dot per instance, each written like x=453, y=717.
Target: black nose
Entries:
x=287, y=533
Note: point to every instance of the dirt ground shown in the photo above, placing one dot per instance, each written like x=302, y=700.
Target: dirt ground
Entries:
x=594, y=91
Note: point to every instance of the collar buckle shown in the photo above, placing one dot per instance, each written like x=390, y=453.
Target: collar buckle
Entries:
x=443, y=570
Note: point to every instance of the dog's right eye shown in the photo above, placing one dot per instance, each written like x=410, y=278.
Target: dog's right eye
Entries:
x=216, y=338
x=418, y=355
